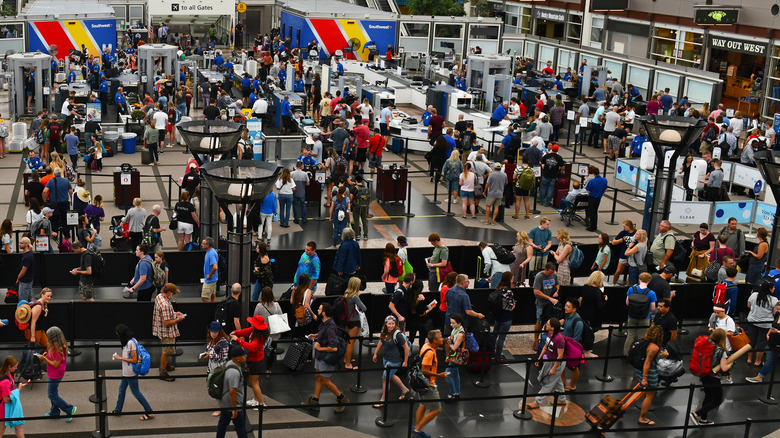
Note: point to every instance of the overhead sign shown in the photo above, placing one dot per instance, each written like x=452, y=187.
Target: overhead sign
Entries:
x=715, y=16
x=738, y=45
x=609, y=5
x=241, y=7
x=67, y=35
x=549, y=15
x=190, y=7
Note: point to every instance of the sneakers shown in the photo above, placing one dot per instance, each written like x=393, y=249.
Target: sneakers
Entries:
x=72, y=413
x=754, y=379
x=365, y=237
x=165, y=376
x=252, y=402
x=340, y=408
x=357, y=237
x=312, y=404
x=726, y=380
x=419, y=434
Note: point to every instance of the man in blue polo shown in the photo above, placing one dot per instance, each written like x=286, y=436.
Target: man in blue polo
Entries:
x=59, y=192
x=339, y=67
x=596, y=188
x=459, y=302
x=499, y=114
x=286, y=109
x=121, y=103
x=103, y=93
x=637, y=142
x=427, y=114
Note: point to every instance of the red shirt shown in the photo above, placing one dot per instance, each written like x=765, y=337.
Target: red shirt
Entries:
x=334, y=102
x=548, y=71
x=540, y=104
x=254, y=348
x=376, y=145
x=435, y=125
x=389, y=55
x=362, y=133
x=523, y=109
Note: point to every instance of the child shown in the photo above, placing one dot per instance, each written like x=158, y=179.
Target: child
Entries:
x=55, y=358
x=98, y=154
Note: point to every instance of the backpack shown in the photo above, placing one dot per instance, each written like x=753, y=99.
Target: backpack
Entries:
x=158, y=278
x=701, y=358
x=588, y=337
x=526, y=180
x=30, y=366
x=453, y=170
x=341, y=315
x=35, y=228
x=576, y=257
x=176, y=116
x=510, y=152
x=719, y=294
x=98, y=263
x=417, y=380
x=760, y=144
x=396, y=267
x=573, y=352
x=54, y=131
x=638, y=353
x=710, y=135
x=362, y=197
x=40, y=137
x=551, y=310
x=216, y=380
x=148, y=235
x=471, y=343
x=340, y=211
x=496, y=302
x=3, y=130
x=638, y=303
x=144, y=360
x=335, y=357
x=221, y=312
x=503, y=255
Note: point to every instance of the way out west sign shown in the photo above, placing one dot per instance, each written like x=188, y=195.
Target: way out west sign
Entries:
x=737, y=45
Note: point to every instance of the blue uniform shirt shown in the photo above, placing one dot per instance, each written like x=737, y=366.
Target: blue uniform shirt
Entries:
x=119, y=99
x=460, y=84
x=558, y=84
x=633, y=92
x=340, y=68
x=71, y=76
x=596, y=187
x=426, y=117
x=567, y=76
x=286, y=108
x=517, y=81
x=252, y=98
x=219, y=60
x=256, y=84
x=499, y=113
x=246, y=82
x=282, y=76
x=507, y=138
x=298, y=86
x=636, y=144
x=103, y=86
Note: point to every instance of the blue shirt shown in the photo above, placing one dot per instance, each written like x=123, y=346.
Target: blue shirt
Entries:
x=451, y=143
x=71, y=76
x=517, y=81
x=636, y=144
x=268, y=206
x=35, y=163
x=596, y=187
x=256, y=84
x=507, y=139
x=119, y=98
x=58, y=189
x=599, y=112
x=599, y=95
x=286, y=108
x=384, y=114
x=282, y=76
x=307, y=161
x=634, y=92
x=347, y=257
x=499, y=113
x=73, y=144
x=298, y=86
x=246, y=82
x=103, y=86
x=308, y=265
x=144, y=267
x=426, y=117
x=567, y=76
x=219, y=60
x=540, y=238
x=460, y=85
x=572, y=329
x=252, y=98
x=667, y=101
x=650, y=294
x=458, y=302
x=212, y=258
x=340, y=68
x=558, y=84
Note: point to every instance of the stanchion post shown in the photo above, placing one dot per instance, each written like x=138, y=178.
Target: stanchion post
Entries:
x=411, y=417
x=522, y=413
x=614, y=206
x=554, y=414
x=72, y=350
x=606, y=160
x=358, y=388
x=748, y=424
x=435, y=188
x=686, y=420
x=382, y=421
x=769, y=399
x=449, y=201
x=604, y=377
x=101, y=425
x=536, y=196
x=260, y=422
x=99, y=396
x=680, y=329
x=409, y=199
x=406, y=154
x=321, y=217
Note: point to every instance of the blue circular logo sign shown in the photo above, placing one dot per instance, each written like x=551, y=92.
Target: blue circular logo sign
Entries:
x=757, y=187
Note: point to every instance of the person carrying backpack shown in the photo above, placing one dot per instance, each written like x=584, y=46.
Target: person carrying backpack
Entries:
x=576, y=328
x=233, y=394
x=641, y=302
x=129, y=357
x=390, y=268
x=339, y=214
x=524, y=185
x=395, y=354
x=647, y=349
x=506, y=301
x=352, y=304
x=707, y=354
x=452, y=169
x=360, y=198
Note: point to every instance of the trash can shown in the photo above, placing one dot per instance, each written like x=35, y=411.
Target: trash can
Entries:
x=128, y=142
x=111, y=138
x=179, y=139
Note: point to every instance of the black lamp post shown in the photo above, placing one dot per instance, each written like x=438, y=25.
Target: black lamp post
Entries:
x=243, y=183
x=770, y=171
x=209, y=140
x=667, y=132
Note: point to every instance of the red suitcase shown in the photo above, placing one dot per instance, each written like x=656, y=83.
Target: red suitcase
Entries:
x=480, y=361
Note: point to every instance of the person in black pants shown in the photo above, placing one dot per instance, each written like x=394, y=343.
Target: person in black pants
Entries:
x=713, y=390
x=596, y=188
x=419, y=320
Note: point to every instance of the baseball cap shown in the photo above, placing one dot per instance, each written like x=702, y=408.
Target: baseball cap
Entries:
x=496, y=165
x=170, y=287
x=555, y=148
x=670, y=269
x=215, y=327
x=47, y=210
x=401, y=240
x=236, y=351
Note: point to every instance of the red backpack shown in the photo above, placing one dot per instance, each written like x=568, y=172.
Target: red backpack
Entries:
x=719, y=295
x=701, y=358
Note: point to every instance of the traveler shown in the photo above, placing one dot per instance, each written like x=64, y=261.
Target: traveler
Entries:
x=713, y=389
x=309, y=263
x=541, y=241
x=458, y=301
x=666, y=320
x=165, y=327
x=493, y=268
x=84, y=272
x=437, y=263
x=635, y=254
x=263, y=271
x=430, y=407
x=395, y=354
x=552, y=367
x=758, y=257
x=301, y=180
x=253, y=339
x=56, y=358
x=503, y=321
x=129, y=357
x=390, y=259
x=418, y=321
x=144, y=274
x=456, y=341
x=523, y=253
x=325, y=341
x=546, y=287
x=494, y=191
x=286, y=188
x=27, y=273
x=467, y=181
x=210, y=271
x=233, y=395
x=7, y=385
x=759, y=320
x=736, y=238
x=772, y=343
x=135, y=217
x=648, y=375
x=638, y=309
x=353, y=303
x=266, y=307
x=359, y=202
x=552, y=165
x=573, y=327
x=593, y=299
x=562, y=255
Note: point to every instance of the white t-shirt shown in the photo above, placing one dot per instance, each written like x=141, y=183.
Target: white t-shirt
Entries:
x=7, y=240
x=285, y=188
x=727, y=324
x=160, y=120
x=260, y=106
x=629, y=116
x=365, y=110
x=33, y=217
x=127, y=367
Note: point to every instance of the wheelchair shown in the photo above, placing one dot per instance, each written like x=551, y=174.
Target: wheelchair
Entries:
x=576, y=212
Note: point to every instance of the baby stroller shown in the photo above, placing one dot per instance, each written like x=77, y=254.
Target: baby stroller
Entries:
x=571, y=213
x=120, y=240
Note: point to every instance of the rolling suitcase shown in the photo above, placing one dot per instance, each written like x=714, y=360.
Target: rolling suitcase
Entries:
x=609, y=410
x=481, y=360
x=297, y=355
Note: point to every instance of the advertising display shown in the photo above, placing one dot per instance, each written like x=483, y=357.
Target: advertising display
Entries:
x=95, y=35
x=335, y=34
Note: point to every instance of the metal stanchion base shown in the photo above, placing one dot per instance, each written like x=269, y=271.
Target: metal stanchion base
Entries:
x=320, y=218
x=179, y=352
x=94, y=399
x=97, y=434
x=367, y=343
x=767, y=400
x=279, y=350
x=606, y=378
x=435, y=202
x=73, y=352
x=535, y=212
x=357, y=389
x=522, y=415
x=481, y=383
x=409, y=214
x=381, y=422
x=612, y=222
x=621, y=334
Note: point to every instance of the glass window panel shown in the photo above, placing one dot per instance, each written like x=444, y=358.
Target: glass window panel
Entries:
x=666, y=80
x=639, y=77
x=530, y=50
x=413, y=44
x=415, y=29
x=515, y=47
x=546, y=53
x=698, y=91
x=616, y=68
x=449, y=31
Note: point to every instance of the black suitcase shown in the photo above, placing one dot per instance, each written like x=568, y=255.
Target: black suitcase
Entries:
x=480, y=328
x=297, y=355
x=336, y=285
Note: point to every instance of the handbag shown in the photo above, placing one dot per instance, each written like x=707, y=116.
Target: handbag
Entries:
x=365, y=331
x=441, y=273
x=277, y=323
x=739, y=339
x=275, y=217
x=302, y=316
x=174, y=223
x=459, y=356
x=711, y=273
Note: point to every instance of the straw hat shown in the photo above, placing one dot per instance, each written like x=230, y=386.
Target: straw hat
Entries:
x=23, y=312
x=83, y=195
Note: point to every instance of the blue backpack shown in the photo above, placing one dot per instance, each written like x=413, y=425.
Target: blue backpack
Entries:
x=471, y=343
x=576, y=257
x=144, y=360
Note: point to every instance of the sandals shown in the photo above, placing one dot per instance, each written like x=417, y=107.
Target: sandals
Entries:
x=350, y=367
x=406, y=395
x=532, y=405
x=570, y=388
x=647, y=422
x=378, y=405
x=215, y=414
x=146, y=417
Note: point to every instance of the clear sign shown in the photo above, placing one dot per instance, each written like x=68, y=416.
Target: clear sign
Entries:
x=124, y=179
x=582, y=170
x=71, y=218
x=42, y=243
x=729, y=112
x=537, y=171
x=319, y=177
x=584, y=122
x=570, y=115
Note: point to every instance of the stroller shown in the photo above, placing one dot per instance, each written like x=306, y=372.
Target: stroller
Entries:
x=120, y=240
x=568, y=214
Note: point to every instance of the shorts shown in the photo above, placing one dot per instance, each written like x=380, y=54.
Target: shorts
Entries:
x=169, y=128
x=349, y=156
x=352, y=324
x=87, y=291
x=374, y=162
x=361, y=155
x=623, y=261
x=538, y=262
x=539, y=315
x=430, y=399
x=522, y=192
x=184, y=228
x=493, y=202
x=256, y=368
x=393, y=369
x=613, y=143
x=169, y=346
x=466, y=195
x=209, y=290
x=383, y=129
x=324, y=369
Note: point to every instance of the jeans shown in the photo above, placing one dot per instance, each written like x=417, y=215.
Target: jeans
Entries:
x=769, y=362
x=225, y=417
x=299, y=209
x=266, y=225
x=256, y=291
x=285, y=202
x=74, y=160
x=633, y=275
x=26, y=291
x=182, y=108
x=88, y=140
x=390, y=287
x=338, y=227
x=754, y=272
x=546, y=191
x=593, y=138
x=133, y=383
x=556, y=133
x=632, y=330
x=581, y=136
x=57, y=403
x=153, y=154
x=453, y=380
x=499, y=335
x=495, y=279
